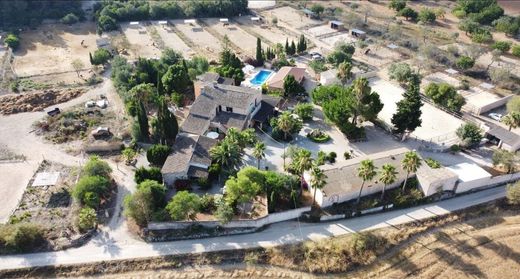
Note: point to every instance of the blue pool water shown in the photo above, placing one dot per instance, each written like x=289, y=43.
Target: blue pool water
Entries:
x=260, y=77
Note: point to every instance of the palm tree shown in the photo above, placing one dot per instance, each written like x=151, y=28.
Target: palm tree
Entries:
x=366, y=172
x=301, y=162
x=511, y=119
x=410, y=163
x=259, y=153
x=344, y=72
x=388, y=175
x=227, y=154
x=286, y=123
x=317, y=181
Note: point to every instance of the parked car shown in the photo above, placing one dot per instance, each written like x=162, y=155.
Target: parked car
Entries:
x=101, y=132
x=495, y=116
x=54, y=112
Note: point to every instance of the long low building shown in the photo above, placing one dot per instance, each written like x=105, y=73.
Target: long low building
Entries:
x=343, y=183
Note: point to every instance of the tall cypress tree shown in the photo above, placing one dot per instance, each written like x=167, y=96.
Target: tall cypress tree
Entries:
x=259, y=56
x=408, y=115
x=91, y=59
x=166, y=123
x=293, y=48
x=142, y=120
x=287, y=48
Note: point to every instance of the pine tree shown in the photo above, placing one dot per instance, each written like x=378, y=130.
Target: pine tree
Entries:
x=293, y=48
x=408, y=115
x=259, y=56
x=90, y=57
x=287, y=48
x=142, y=120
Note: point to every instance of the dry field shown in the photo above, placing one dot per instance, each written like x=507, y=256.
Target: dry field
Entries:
x=172, y=40
x=239, y=37
x=141, y=43
x=201, y=38
x=52, y=47
x=290, y=16
x=269, y=33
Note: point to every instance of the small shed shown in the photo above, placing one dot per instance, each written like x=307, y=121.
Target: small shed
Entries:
x=337, y=25
x=507, y=140
x=471, y=176
x=256, y=19
x=432, y=181
x=358, y=33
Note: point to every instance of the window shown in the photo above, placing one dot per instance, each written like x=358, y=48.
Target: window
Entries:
x=228, y=109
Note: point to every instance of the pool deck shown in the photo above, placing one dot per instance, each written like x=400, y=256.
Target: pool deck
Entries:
x=252, y=75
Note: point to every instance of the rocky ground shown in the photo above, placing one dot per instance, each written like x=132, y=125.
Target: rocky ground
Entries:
x=37, y=101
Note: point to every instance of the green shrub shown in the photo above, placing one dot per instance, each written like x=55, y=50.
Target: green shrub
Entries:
x=157, y=154
x=322, y=157
x=91, y=200
x=207, y=203
x=204, y=183
x=100, y=57
x=516, y=50
x=158, y=192
x=140, y=206
x=153, y=173
x=513, y=193
x=97, y=167
x=332, y=157
x=455, y=148
x=69, y=19
x=304, y=111
x=87, y=219
x=94, y=184
x=12, y=41
x=409, y=198
x=503, y=46
x=318, y=136
x=184, y=205
x=21, y=237
x=432, y=163
x=224, y=212
x=347, y=155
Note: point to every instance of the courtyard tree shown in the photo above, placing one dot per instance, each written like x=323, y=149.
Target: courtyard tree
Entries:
x=89, y=189
x=142, y=123
x=344, y=72
x=304, y=111
x=287, y=124
x=505, y=159
x=364, y=102
x=408, y=115
x=342, y=52
x=366, y=171
x=291, y=86
x=100, y=57
x=387, y=176
x=241, y=189
x=259, y=54
x=231, y=66
x=77, y=65
x=445, y=95
x=401, y=72
x=153, y=173
x=157, y=154
x=410, y=163
x=318, y=181
x=157, y=189
x=301, y=162
x=176, y=79
x=259, y=153
x=95, y=166
x=184, y=206
x=227, y=154
x=512, y=120
x=470, y=135
x=224, y=212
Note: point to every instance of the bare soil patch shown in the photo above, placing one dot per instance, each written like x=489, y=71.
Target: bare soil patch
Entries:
x=172, y=40
x=141, y=42
x=37, y=101
x=206, y=43
x=269, y=33
x=52, y=47
x=242, y=39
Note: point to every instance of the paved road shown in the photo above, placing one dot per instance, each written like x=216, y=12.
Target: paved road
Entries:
x=104, y=249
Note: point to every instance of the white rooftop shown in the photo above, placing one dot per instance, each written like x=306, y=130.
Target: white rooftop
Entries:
x=134, y=22
x=163, y=22
x=224, y=20
x=187, y=21
x=46, y=179
x=469, y=172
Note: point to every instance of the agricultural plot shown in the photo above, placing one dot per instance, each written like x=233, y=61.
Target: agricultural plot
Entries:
x=267, y=31
x=172, y=40
x=290, y=16
x=239, y=37
x=52, y=47
x=141, y=43
x=200, y=37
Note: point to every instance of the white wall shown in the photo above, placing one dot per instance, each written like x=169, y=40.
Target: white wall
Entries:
x=487, y=182
x=254, y=223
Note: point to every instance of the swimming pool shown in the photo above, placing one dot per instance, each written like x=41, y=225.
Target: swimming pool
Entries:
x=260, y=77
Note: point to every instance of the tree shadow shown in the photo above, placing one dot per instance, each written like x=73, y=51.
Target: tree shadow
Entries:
x=456, y=262
x=502, y=250
x=461, y=245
